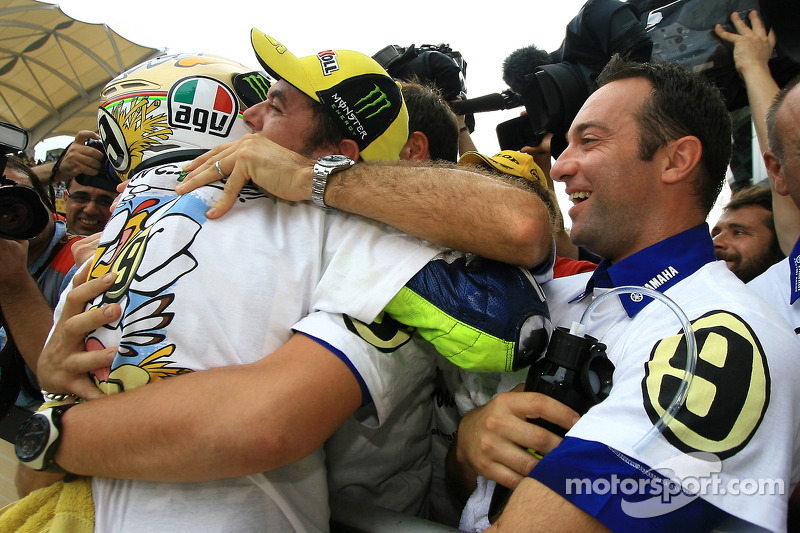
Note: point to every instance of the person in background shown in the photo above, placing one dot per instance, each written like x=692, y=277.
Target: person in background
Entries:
x=76, y=159
x=33, y=274
x=432, y=126
x=390, y=466
x=782, y=165
x=744, y=236
x=752, y=48
x=87, y=202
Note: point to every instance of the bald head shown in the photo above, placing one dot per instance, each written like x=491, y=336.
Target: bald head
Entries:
x=783, y=157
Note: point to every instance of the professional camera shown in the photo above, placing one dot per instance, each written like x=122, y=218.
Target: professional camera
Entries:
x=680, y=31
x=575, y=371
x=106, y=177
x=22, y=212
x=553, y=93
x=438, y=65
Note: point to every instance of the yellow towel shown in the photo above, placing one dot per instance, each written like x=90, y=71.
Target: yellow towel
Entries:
x=63, y=507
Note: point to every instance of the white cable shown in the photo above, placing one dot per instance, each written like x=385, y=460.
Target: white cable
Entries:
x=691, y=356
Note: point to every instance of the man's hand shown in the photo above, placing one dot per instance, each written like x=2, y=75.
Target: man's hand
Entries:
x=65, y=364
x=493, y=440
x=752, y=45
x=542, y=156
x=79, y=158
x=85, y=249
x=275, y=169
x=14, y=258
x=28, y=480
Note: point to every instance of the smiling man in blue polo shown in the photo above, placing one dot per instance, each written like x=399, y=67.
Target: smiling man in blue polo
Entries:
x=646, y=159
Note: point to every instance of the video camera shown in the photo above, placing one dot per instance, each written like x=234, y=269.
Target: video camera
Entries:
x=23, y=215
x=438, y=65
x=641, y=30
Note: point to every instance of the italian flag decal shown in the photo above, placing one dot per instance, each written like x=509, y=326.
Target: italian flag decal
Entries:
x=187, y=92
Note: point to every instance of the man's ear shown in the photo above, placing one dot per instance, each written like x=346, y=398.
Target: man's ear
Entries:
x=349, y=148
x=416, y=148
x=681, y=158
x=775, y=171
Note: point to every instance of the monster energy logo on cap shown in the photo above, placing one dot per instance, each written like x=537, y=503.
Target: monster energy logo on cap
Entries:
x=365, y=105
x=372, y=100
x=251, y=87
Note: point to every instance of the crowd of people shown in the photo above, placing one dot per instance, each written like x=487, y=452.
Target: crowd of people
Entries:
x=345, y=296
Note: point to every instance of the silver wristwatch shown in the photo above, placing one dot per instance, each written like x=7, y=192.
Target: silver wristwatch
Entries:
x=324, y=167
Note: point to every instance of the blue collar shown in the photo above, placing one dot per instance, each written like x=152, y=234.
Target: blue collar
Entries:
x=794, y=273
x=657, y=267
x=60, y=231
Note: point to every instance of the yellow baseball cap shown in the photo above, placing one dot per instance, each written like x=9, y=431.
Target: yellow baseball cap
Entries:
x=351, y=85
x=508, y=162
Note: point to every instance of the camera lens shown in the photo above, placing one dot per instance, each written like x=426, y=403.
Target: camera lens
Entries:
x=22, y=213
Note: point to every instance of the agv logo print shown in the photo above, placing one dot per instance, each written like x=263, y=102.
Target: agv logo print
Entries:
x=202, y=104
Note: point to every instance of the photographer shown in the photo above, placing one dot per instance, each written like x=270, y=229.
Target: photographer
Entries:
x=77, y=159
x=87, y=202
x=33, y=274
x=89, y=189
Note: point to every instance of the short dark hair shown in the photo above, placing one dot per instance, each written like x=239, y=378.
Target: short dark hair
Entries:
x=773, y=139
x=682, y=103
x=19, y=165
x=759, y=196
x=754, y=195
x=430, y=114
x=16, y=163
x=325, y=128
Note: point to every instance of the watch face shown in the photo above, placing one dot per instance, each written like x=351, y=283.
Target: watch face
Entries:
x=334, y=160
x=32, y=438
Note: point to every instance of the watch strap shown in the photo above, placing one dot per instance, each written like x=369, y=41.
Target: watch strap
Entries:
x=323, y=168
x=318, y=185
x=42, y=458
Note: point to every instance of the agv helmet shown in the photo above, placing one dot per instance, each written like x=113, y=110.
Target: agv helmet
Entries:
x=174, y=107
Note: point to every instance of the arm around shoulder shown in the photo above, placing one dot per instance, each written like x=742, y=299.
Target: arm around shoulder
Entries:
x=449, y=206
x=224, y=422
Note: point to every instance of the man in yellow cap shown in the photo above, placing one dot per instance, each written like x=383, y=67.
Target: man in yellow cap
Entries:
x=378, y=192
x=318, y=268
x=269, y=296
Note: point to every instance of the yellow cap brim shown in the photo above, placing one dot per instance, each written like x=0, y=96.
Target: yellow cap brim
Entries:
x=280, y=63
